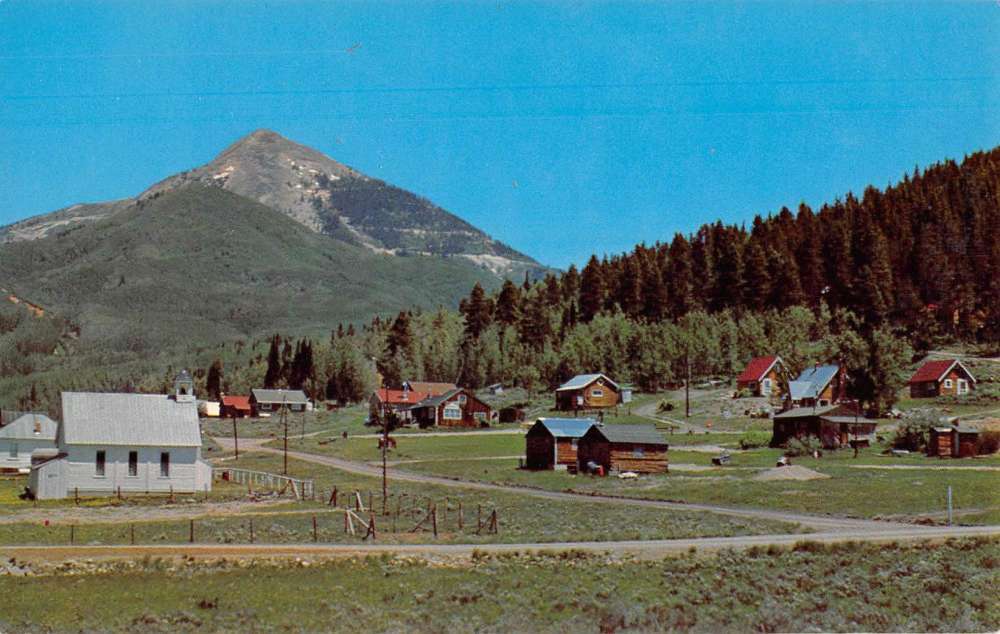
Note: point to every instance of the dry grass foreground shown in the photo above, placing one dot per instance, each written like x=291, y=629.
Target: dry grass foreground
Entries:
x=949, y=586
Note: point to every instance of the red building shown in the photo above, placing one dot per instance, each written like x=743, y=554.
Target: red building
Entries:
x=455, y=408
x=762, y=376
x=235, y=406
x=947, y=377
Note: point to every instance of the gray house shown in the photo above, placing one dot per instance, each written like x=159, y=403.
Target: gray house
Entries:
x=132, y=442
x=263, y=401
x=23, y=435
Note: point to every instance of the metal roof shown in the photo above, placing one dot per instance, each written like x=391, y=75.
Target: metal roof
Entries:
x=279, y=396
x=849, y=420
x=583, y=380
x=816, y=379
x=566, y=427
x=645, y=434
x=136, y=420
x=24, y=428
x=803, y=412
x=434, y=401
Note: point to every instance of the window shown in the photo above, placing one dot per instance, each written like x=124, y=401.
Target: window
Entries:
x=452, y=412
x=133, y=463
x=963, y=386
x=13, y=450
x=572, y=443
x=462, y=399
x=597, y=393
x=638, y=452
x=765, y=386
x=947, y=383
x=165, y=464
x=99, y=464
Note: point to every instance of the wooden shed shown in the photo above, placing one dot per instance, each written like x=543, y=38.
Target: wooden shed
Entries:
x=762, y=376
x=947, y=377
x=637, y=448
x=954, y=441
x=833, y=426
x=587, y=391
x=551, y=443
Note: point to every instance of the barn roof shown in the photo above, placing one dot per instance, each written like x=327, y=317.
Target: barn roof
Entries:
x=758, y=367
x=644, y=434
x=566, y=427
x=812, y=381
x=292, y=397
x=581, y=381
x=937, y=370
x=30, y=426
x=237, y=401
x=137, y=420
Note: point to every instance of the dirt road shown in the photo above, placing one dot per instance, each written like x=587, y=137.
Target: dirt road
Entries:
x=651, y=549
x=816, y=522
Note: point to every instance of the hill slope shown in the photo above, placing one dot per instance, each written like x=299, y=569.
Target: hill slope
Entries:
x=199, y=263
x=322, y=195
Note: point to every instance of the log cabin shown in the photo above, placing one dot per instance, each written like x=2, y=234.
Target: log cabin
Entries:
x=455, y=408
x=818, y=386
x=834, y=426
x=587, y=391
x=621, y=448
x=946, y=377
x=551, y=443
x=954, y=441
x=762, y=376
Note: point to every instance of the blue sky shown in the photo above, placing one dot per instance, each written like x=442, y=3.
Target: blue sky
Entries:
x=563, y=128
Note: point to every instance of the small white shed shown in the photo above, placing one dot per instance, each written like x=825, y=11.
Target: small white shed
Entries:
x=25, y=434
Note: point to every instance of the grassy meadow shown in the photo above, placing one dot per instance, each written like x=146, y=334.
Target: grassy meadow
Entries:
x=949, y=586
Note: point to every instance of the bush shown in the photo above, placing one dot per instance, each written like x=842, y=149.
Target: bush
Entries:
x=988, y=443
x=665, y=406
x=799, y=447
x=754, y=439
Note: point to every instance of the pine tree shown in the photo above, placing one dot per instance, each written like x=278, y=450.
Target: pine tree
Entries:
x=213, y=380
x=508, y=304
x=592, y=290
x=478, y=311
x=273, y=374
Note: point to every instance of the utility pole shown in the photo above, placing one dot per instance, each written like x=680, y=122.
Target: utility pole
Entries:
x=385, y=471
x=284, y=420
x=236, y=440
x=687, y=382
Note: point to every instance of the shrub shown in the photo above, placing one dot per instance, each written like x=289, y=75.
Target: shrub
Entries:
x=753, y=439
x=988, y=443
x=799, y=447
x=665, y=406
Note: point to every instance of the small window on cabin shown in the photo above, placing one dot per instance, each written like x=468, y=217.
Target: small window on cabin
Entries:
x=165, y=464
x=462, y=398
x=947, y=383
x=452, y=412
x=133, y=463
x=597, y=393
x=99, y=461
x=638, y=452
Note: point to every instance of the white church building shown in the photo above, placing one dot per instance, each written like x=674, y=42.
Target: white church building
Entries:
x=135, y=443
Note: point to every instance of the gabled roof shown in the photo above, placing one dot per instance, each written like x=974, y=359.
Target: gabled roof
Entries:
x=30, y=427
x=292, y=397
x=936, y=371
x=136, y=420
x=644, y=434
x=237, y=402
x=581, y=381
x=430, y=388
x=400, y=397
x=566, y=427
x=435, y=400
x=757, y=368
x=814, y=380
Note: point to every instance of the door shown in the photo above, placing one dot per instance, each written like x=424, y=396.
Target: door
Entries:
x=963, y=386
x=765, y=387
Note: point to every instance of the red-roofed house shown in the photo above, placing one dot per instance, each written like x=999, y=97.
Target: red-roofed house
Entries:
x=762, y=376
x=944, y=377
x=235, y=406
x=384, y=400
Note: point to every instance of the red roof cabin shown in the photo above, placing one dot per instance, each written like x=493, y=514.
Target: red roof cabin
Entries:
x=762, y=376
x=947, y=377
x=235, y=406
x=383, y=401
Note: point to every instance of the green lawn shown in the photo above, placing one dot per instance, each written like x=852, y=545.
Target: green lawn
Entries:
x=850, y=587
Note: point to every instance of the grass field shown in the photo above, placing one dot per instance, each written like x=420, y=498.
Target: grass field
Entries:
x=850, y=587
x=521, y=518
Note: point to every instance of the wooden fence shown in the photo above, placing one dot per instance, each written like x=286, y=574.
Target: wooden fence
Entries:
x=301, y=489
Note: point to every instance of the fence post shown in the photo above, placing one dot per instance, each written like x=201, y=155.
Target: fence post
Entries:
x=357, y=500
x=251, y=530
x=76, y=495
x=434, y=520
x=191, y=532
x=333, y=497
x=315, y=535
x=460, y=518
x=119, y=492
x=949, y=505
x=345, y=520
x=72, y=537
x=131, y=530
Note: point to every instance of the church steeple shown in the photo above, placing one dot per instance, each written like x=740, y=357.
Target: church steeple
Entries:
x=184, y=387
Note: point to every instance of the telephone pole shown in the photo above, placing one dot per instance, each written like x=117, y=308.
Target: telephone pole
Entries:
x=284, y=420
x=687, y=383
x=385, y=471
